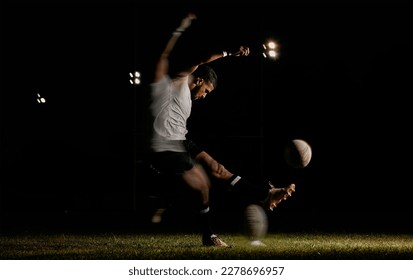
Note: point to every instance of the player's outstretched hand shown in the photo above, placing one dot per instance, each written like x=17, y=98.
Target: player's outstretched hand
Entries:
x=243, y=51
x=186, y=21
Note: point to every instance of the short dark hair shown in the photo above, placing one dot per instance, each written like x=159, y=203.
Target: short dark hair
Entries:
x=207, y=73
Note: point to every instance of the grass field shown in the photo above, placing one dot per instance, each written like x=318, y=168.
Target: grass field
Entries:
x=178, y=246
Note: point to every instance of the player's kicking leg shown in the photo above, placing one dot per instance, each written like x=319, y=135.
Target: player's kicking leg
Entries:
x=277, y=195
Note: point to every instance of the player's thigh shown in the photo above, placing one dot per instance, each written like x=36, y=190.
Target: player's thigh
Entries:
x=196, y=178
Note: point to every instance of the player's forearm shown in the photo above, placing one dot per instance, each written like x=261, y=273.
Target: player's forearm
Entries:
x=214, y=55
x=211, y=57
x=185, y=23
x=241, y=51
x=217, y=54
x=163, y=64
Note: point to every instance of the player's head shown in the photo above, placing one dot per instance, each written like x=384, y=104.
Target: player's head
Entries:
x=204, y=82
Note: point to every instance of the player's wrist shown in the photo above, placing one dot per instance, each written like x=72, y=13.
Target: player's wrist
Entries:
x=226, y=53
x=178, y=31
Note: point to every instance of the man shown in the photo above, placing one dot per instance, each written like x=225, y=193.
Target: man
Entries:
x=172, y=92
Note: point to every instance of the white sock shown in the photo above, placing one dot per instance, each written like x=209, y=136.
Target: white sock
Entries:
x=235, y=180
x=204, y=211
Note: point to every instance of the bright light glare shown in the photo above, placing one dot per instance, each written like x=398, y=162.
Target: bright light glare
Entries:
x=271, y=50
x=272, y=45
x=135, y=78
x=273, y=54
x=40, y=99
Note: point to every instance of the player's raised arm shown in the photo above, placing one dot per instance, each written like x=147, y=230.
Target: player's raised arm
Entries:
x=241, y=51
x=162, y=67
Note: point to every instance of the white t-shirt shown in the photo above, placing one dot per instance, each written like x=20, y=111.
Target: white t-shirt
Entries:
x=171, y=108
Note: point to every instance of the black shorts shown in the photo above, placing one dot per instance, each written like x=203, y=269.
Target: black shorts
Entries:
x=170, y=163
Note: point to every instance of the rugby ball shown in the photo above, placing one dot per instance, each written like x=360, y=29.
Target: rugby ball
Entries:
x=297, y=153
x=256, y=222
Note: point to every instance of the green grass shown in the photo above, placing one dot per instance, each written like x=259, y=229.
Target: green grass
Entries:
x=179, y=246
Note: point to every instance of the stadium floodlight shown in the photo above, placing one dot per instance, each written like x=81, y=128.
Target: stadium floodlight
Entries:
x=271, y=50
x=135, y=78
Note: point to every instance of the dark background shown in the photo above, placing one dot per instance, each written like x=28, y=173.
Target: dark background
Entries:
x=343, y=83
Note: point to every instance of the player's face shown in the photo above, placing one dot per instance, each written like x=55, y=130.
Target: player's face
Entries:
x=200, y=89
